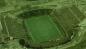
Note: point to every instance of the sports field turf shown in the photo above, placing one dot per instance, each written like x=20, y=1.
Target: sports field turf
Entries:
x=42, y=28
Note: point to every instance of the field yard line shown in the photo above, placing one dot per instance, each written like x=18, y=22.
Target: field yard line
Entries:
x=33, y=39
x=54, y=25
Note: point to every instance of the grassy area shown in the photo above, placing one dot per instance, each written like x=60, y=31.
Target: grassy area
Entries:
x=42, y=28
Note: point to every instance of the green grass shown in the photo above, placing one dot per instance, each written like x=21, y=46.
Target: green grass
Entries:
x=42, y=28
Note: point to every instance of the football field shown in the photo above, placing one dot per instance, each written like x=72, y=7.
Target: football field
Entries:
x=42, y=28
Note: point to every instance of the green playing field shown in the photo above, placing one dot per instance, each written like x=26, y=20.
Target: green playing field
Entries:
x=42, y=28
